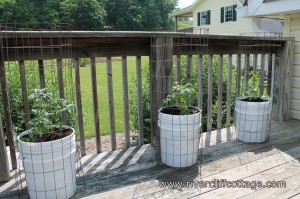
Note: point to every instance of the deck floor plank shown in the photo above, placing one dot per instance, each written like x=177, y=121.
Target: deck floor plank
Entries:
x=133, y=172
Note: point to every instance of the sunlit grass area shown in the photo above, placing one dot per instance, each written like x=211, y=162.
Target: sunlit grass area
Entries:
x=86, y=87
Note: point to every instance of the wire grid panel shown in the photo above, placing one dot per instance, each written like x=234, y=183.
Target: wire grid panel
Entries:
x=179, y=135
x=253, y=109
x=39, y=56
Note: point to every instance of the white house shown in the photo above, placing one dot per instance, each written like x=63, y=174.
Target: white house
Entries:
x=220, y=17
x=289, y=10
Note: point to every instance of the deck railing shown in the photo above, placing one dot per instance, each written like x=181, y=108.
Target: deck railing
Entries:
x=123, y=44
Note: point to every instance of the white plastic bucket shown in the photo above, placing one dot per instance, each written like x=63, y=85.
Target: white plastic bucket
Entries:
x=49, y=167
x=252, y=121
x=179, y=138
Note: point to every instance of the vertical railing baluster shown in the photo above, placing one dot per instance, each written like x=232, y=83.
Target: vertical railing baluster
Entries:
x=255, y=63
x=42, y=74
x=61, y=86
x=246, y=68
x=189, y=68
x=125, y=102
x=209, y=93
x=238, y=76
x=220, y=91
x=229, y=90
x=7, y=113
x=111, y=103
x=79, y=106
x=4, y=166
x=200, y=82
x=140, y=99
x=178, y=68
x=262, y=71
x=24, y=92
x=95, y=103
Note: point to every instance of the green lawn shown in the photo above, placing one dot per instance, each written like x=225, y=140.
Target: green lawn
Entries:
x=87, y=101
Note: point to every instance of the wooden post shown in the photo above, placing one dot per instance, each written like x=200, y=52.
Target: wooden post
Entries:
x=125, y=102
x=9, y=131
x=79, y=106
x=42, y=74
x=282, y=83
x=220, y=91
x=111, y=103
x=160, y=74
x=24, y=92
x=4, y=168
x=95, y=103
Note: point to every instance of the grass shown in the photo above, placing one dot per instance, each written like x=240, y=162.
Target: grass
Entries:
x=102, y=91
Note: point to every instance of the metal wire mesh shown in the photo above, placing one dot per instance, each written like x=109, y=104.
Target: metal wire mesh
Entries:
x=39, y=56
x=172, y=75
x=253, y=108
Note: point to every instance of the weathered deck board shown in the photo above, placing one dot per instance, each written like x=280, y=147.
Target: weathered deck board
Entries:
x=133, y=172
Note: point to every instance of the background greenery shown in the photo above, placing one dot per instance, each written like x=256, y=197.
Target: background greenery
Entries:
x=92, y=14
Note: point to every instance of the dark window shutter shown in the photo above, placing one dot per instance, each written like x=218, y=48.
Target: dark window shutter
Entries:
x=198, y=18
x=222, y=15
x=208, y=17
x=234, y=13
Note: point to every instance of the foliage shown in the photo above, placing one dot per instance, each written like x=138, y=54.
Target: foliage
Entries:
x=91, y=14
x=253, y=90
x=46, y=112
x=180, y=97
x=133, y=108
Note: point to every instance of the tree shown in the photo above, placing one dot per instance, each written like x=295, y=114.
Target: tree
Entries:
x=89, y=15
x=139, y=14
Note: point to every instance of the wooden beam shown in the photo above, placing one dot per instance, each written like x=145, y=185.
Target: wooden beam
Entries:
x=79, y=106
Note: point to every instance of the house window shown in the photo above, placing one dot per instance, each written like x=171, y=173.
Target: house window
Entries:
x=228, y=13
x=204, y=18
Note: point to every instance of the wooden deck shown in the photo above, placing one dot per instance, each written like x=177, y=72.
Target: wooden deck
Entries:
x=133, y=173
